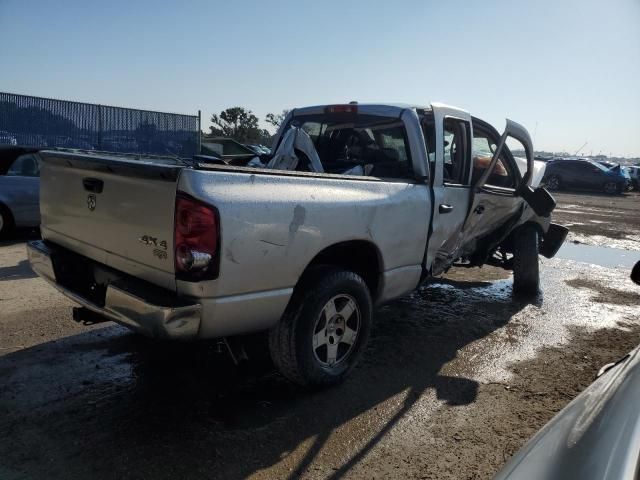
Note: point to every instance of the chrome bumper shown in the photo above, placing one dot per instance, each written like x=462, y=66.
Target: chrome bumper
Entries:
x=175, y=320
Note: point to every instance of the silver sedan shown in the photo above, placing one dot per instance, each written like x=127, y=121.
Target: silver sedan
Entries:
x=19, y=188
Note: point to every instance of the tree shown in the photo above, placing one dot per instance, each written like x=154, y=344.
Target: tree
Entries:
x=237, y=123
x=276, y=119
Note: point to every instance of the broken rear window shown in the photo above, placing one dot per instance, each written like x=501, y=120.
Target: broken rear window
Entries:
x=359, y=144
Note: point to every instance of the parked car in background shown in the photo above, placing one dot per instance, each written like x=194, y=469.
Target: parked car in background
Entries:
x=607, y=164
x=634, y=174
x=259, y=149
x=228, y=149
x=116, y=143
x=596, y=436
x=7, y=139
x=19, y=188
x=584, y=175
x=624, y=170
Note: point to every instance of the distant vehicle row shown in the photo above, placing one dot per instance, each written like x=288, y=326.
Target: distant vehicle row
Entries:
x=582, y=174
x=111, y=142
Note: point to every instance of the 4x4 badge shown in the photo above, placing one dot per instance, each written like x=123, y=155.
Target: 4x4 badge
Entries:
x=91, y=202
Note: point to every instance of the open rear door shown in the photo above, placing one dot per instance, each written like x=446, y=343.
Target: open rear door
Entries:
x=495, y=207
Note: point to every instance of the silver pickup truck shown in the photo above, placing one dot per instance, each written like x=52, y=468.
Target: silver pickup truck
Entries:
x=381, y=198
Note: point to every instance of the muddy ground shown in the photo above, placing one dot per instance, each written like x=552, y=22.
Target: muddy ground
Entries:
x=607, y=220
x=456, y=378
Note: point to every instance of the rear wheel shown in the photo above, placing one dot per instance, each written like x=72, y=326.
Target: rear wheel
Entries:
x=6, y=221
x=526, y=269
x=610, y=188
x=553, y=182
x=324, y=330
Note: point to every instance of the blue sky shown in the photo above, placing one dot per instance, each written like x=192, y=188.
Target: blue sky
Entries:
x=568, y=70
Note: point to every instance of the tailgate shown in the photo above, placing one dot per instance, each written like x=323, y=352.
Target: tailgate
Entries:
x=114, y=210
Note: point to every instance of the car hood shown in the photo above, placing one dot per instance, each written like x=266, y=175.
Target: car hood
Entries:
x=596, y=436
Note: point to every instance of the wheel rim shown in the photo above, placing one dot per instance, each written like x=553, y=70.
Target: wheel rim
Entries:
x=553, y=183
x=609, y=187
x=336, y=330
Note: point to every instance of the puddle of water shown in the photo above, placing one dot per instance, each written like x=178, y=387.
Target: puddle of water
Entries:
x=603, y=256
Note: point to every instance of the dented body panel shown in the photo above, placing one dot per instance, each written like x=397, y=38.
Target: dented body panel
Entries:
x=273, y=227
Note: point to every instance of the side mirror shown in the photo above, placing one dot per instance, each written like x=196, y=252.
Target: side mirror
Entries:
x=539, y=199
x=635, y=273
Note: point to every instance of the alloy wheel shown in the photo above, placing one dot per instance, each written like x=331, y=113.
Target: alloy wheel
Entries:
x=610, y=187
x=553, y=183
x=336, y=330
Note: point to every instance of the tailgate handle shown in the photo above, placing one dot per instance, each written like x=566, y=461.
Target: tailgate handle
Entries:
x=93, y=185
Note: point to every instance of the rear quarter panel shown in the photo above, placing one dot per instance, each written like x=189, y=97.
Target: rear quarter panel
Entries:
x=273, y=226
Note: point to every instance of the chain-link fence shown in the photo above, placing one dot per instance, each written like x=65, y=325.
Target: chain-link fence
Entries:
x=46, y=122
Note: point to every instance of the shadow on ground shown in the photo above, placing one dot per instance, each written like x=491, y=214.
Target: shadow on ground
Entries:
x=17, y=272
x=108, y=404
x=19, y=236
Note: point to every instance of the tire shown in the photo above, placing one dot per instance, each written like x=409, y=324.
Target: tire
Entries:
x=526, y=269
x=6, y=221
x=553, y=183
x=296, y=342
x=611, y=188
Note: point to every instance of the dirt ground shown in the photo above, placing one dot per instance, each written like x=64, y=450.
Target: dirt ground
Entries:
x=608, y=220
x=456, y=378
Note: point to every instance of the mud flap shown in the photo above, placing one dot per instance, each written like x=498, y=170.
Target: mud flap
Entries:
x=551, y=242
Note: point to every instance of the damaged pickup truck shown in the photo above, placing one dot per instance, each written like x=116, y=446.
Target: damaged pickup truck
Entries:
x=357, y=205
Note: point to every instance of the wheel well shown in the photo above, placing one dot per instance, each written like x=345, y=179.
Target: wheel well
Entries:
x=5, y=209
x=358, y=256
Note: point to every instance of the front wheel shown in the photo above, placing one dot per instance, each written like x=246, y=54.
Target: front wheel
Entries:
x=526, y=269
x=6, y=221
x=324, y=330
x=610, y=188
x=553, y=182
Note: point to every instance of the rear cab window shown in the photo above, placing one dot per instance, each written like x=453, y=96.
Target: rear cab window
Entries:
x=358, y=144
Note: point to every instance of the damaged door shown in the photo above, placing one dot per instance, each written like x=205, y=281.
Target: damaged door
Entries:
x=497, y=201
x=450, y=131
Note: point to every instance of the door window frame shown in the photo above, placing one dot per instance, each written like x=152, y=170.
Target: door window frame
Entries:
x=466, y=166
x=506, y=156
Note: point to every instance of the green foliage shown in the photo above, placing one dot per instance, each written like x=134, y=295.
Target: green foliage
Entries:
x=276, y=119
x=240, y=124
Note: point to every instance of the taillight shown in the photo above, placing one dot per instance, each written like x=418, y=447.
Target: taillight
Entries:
x=196, y=240
x=349, y=108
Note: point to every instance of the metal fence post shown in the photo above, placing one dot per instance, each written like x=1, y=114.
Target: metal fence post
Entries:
x=199, y=133
x=99, y=127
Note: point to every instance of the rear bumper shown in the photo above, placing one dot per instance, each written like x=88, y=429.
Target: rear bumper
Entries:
x=135, y=304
